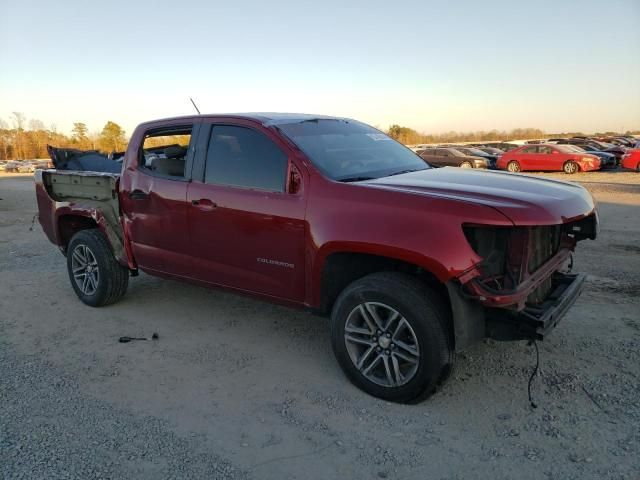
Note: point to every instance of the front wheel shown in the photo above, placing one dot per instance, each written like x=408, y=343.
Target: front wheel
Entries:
x=96, y=276
x=389, y=332
x=466, y=164
x=570, y=167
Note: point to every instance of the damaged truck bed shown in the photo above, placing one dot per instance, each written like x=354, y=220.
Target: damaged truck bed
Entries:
x=85, y=160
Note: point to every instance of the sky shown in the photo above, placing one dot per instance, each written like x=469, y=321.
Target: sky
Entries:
x=434, y=66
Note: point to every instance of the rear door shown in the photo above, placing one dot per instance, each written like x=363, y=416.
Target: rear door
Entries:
x=441, y=157
x=153, y=199
x=528, y=158
x=246, y=217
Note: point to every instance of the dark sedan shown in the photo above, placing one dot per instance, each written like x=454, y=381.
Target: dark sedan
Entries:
x=452, y=157
x=477, y=152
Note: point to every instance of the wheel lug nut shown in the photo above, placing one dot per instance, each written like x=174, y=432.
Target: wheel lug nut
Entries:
x=388, y=335
x=393, y=345
x=379, y=332
x=375, y=339
x=378, y=349
x=387, y=352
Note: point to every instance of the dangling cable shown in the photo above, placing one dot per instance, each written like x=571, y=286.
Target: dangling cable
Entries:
x=533, y=374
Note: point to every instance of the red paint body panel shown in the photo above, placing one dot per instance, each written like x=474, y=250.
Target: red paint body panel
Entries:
x=631, y=160
x=547, y=162
x=275, y=245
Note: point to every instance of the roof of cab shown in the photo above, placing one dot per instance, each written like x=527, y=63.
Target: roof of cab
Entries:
x=266, y=118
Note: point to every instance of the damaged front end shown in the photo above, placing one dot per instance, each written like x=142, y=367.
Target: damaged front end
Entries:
x=523, y=284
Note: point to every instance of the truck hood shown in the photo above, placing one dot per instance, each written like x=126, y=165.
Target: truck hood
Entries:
x=523, y=199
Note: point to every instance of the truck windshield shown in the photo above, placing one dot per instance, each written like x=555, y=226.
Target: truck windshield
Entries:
x=346, y=150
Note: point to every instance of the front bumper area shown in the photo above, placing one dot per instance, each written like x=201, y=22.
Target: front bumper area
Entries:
x=517, y=297
x=535, y=322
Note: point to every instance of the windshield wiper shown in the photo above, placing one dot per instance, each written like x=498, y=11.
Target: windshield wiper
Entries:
x=406, y=171
x=355, y=179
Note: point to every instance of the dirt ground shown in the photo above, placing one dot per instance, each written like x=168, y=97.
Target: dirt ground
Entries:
x=238, y=388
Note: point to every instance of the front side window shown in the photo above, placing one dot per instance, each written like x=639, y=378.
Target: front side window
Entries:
x=530, y=150
x=347, y=150
x=243, y=157
x=164, y=151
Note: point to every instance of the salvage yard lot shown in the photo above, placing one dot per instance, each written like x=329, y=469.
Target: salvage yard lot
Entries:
x=238, y=388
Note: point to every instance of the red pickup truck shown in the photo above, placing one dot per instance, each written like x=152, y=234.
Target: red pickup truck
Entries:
x=411, y=263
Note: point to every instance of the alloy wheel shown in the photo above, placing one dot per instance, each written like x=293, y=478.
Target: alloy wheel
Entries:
x=85, y=269
x=570, y=167
x=381, y=344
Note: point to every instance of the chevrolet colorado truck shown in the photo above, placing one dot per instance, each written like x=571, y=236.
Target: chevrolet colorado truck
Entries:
x=410, y=263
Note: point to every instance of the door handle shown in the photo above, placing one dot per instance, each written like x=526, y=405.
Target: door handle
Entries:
x=138, y=195
x=204, y=204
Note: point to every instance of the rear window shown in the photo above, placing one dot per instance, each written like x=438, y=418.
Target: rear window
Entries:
x=164, y=151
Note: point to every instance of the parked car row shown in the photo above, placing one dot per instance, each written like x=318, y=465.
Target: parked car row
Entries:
x=570, y=155
x=23, y=166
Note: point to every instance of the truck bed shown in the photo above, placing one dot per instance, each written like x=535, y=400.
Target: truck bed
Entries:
x=67, y=192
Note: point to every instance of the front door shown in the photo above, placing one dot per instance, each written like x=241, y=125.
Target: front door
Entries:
x=246, y=225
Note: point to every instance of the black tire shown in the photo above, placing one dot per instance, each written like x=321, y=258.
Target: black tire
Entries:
x=426, y=314
x=466, y=164
x=513, y=167
x=570, y=167
x=112, y=278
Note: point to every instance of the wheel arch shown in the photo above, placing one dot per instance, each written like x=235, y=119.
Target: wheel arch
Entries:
x=341, y=267
x=71, y=221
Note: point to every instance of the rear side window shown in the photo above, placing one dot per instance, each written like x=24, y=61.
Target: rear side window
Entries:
x=164, y=151
x=242, y=157
x=530, y=150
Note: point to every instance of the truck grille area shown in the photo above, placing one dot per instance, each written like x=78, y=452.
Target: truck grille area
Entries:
x=513, y=257
x=544, y=243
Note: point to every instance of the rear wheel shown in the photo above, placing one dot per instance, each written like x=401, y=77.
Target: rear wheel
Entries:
x=570, y=167
x=389, y=334
x=466, y=164
x=96, y=276
x=513, y=166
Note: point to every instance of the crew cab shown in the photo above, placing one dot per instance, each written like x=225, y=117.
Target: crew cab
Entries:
x=411, y=263
x=548, y=158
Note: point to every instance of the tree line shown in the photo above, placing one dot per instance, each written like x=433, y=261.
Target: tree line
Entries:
x=409, y=136
x=21, y=139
